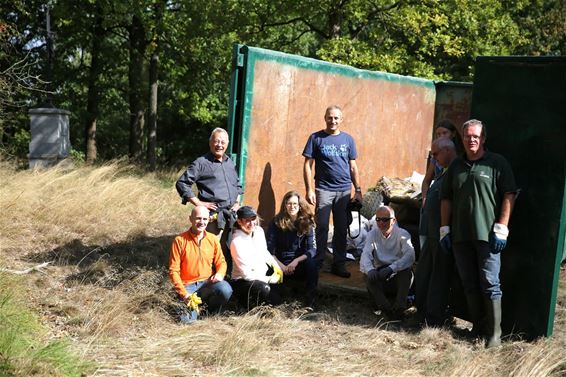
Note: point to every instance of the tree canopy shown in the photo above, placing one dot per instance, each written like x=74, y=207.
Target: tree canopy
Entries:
x=153, y=75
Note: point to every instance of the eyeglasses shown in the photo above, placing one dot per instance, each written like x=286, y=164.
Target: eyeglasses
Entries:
x=292, y=204
x=383, y=219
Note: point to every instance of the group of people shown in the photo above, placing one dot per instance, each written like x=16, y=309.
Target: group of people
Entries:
x=464, y=221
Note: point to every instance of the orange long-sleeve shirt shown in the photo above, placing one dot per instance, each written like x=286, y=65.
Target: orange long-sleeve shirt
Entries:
x=190, y=262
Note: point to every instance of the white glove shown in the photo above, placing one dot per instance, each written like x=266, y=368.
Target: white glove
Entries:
x=501, y=231
x=444, y=231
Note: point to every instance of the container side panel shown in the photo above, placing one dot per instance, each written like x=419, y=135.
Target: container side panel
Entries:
x=389, y=117
x=453, y=103
x=521, y=100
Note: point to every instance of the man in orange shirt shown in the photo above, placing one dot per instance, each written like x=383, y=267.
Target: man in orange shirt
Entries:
x=197, y=265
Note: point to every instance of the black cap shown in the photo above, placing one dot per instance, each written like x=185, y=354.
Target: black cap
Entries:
x=246, y=212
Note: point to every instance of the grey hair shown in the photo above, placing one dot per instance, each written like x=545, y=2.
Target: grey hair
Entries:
x=389, y=209
x=216, y=131
x=475, y=122
x=333, y=107
x=444, y=142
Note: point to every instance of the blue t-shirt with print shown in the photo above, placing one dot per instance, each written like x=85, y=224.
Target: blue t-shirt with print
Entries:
x=332, y=155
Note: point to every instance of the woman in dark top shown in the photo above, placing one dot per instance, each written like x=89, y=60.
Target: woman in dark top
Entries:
x=291, y=240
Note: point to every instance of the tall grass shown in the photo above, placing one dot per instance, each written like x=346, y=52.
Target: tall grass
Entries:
x=104, y=204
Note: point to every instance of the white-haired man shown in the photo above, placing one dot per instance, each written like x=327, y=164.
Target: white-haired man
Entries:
x=435, y=265
x=387, y=259
x=218, y=185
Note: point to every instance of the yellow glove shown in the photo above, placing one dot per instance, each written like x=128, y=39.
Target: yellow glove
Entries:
x=279, y=272
x=193, y=302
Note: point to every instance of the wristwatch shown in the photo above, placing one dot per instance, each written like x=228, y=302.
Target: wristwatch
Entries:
x=358, y=189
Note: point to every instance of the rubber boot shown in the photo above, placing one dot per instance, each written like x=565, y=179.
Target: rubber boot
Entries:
x=493, y=308
x=475, y=305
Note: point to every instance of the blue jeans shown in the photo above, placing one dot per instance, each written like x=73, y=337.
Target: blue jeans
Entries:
x=214, y=295
x=337, y=203
x=478, y=268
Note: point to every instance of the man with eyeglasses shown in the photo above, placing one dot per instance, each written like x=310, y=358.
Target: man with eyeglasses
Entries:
x=435, y=265
x=387, y=259
x=477, y=197
x=332, y=154
x=218, y=185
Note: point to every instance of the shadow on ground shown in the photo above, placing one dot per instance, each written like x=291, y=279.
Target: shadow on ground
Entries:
x=117, y=265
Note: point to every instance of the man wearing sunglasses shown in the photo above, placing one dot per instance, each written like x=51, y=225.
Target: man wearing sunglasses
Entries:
x=387, y=259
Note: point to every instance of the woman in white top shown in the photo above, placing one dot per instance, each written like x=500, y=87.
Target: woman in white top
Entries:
x=255, y=273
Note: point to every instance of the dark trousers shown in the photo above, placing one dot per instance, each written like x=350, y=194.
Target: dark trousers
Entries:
x=305, y=273
x=432, y=282
x=252, y=293
x=223, y=237
x=396, y=287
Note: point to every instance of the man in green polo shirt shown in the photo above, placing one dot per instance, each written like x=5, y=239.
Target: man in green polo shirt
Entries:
x=477, y=197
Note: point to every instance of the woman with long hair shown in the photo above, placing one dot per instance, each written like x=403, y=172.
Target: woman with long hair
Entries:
x=291, y=240
x=255, y=273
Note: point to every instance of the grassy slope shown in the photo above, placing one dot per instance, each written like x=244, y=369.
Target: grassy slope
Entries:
x=108, y=231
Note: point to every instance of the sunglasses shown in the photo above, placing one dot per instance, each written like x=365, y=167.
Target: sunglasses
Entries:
x=383, y=219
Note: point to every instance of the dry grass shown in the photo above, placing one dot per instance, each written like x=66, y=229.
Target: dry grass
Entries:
x=94, y=205
x=109, y=232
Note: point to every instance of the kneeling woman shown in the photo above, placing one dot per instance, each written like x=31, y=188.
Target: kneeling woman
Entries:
x=255, y=273
x=291, y=240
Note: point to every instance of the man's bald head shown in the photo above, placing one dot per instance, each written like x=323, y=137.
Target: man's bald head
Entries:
x=199, y=219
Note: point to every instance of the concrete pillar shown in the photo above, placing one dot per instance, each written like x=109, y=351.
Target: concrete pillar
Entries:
x=50, y=143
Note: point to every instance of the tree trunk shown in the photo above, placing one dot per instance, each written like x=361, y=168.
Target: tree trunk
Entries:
x=152, y=127
x=135, y=80
x=93, y=90
x=159, y=8
x=335, y=19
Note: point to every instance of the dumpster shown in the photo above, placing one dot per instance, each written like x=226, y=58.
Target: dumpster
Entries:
x=521, y=102
x=278, y=100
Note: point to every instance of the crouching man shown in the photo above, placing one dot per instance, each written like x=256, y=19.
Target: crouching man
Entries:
x=387, y=259
x=197, y=268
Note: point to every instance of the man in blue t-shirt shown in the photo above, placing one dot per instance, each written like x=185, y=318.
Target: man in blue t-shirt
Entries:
x=333, y=155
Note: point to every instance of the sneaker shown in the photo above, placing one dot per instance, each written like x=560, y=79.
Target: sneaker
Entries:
x=340, y=270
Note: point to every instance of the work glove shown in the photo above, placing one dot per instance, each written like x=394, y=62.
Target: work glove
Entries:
x=193, y=302
x=373, y=275
x=384, y=273
x=277, y=276
x=498, y=237
x=445, y=238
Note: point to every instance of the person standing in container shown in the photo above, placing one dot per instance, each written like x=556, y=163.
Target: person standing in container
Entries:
x=331, y=154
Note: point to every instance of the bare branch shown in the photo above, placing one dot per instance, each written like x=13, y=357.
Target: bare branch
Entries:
x=38, y=268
